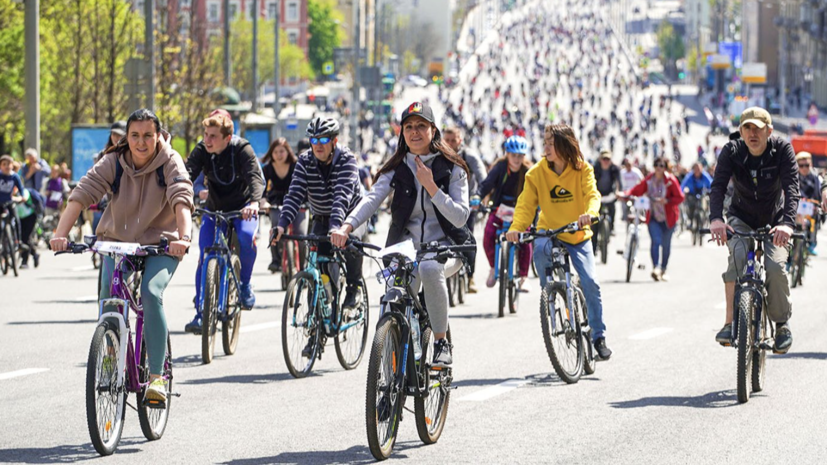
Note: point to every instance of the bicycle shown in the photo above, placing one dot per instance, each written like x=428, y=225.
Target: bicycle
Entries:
x=9, y=244
x=604, y=227
x=401, y=356
x=806, y=223
x=563, y=315
x=114, y=368
x=636, y=206
x=458, y=286
x=698, y=219
x=220, y=282
x=312, y=312
x=752, y=333
x=291, y=257
x=509, y=292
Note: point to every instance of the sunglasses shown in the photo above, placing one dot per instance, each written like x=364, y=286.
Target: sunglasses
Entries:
x=660, y=165
x=803, y=165
x=319, y=140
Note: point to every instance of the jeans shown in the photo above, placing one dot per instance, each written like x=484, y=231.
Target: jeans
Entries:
x=582, y=259
x=246, y=233
x=661, y=238
x=157, y=274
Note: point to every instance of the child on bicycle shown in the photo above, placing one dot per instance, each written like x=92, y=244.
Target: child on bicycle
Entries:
x=563, y=186
x=142, y=211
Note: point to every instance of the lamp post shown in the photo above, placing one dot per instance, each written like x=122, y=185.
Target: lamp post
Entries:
x=32, y=73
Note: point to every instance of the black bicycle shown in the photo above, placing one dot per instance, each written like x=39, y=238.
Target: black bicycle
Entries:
x=604, y=227
x=9, y=249
x=401, y=358
x=698, y=219
x=752, y=333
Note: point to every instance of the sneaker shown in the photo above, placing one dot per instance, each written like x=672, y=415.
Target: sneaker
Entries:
x=492, y=278
x=36, y=258
x=248, y=299
x=811, y=249
x=656, y=274
x=23, y=266
x=663, y=276
x=273, y=267
x=724, y=336
x=472, y=288
x=783, y=338
x=307, y=352
x=157, y=390
x=194, y=326
x=442, y=353
x=523, y=285
x=352, y=298
x=603, y=352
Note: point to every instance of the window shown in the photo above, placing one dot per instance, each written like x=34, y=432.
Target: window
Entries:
x=213, y=15
x=139, y=6
x=185, y=4
x=271, y=10
x=292, y=11
x=293, y=36
x=234, y=10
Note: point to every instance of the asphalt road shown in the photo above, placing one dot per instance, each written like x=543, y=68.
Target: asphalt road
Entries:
x=667, y=395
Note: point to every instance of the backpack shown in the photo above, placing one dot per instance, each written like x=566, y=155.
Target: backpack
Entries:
x=116, y=184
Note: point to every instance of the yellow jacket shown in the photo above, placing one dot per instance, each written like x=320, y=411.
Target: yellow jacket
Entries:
x=562, y=199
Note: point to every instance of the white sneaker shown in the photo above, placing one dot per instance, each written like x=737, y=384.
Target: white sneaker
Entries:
x=492, y=278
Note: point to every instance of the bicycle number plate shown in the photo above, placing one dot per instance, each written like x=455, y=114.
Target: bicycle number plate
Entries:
x=806, y=208
x=124, y=248
x=642, y=203
x=505, y=213
x=405, y=249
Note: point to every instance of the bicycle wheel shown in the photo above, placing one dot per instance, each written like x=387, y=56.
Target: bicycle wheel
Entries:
x=462, y=286
x=383, y=403
x=513, y=296
x=563, y=342
x=299, y=325
x=760, y=356
x=231, y=326
x=501, y=280
x=746, y=338
x=802, y=263
x=153, y=419
x=5, y=261
x=450, y=284
x=287, y=264
x=795, y=263
x=432, y=411
x=105, y=400
x=209, y=314
x=350, y=344
x=11, y=252
x=589, y=363
x=605, y=232
x=630, y=259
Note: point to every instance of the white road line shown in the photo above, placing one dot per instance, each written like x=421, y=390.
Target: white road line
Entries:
x=260, y=326
x=494, y=391
x=18, y=373
x=83, y=268
x=651, y=334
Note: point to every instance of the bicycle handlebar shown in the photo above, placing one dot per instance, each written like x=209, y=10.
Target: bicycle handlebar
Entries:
x=569, y=228
x=143, y=251
x=226, y=216
x=761, y=234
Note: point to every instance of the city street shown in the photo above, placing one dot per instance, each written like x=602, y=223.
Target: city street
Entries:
x=667, y=395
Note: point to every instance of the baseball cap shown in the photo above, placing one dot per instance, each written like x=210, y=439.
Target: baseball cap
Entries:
x=605, y=154
x=418, y=109
x=757, y=116
x=118, y=127
x=221, y=112
x=803, y=156
x=7, y=158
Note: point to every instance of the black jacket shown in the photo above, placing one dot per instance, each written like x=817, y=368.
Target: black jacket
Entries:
x=233, y=177
x=810, y=186
x=496, y=180
x=276, y=187
x=614, y=173
x=772, y=199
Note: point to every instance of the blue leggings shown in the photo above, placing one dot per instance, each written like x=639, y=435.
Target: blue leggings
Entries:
x=246, y=232
x=661, y=235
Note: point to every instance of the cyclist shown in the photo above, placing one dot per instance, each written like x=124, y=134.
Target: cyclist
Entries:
x=563, y=186
x=279, y=164
x=55, y=191
x=234, y=180
x=35, y=171
x=664, y=192
x=607, y=177
x=696, y=182
x=153, y=199
x=505, y=183
x=430, y=203
x=810, y=187
x=763, y=172
x=28, y=211
x=9, y=180
x=327, y=178
x=453, y=137
x=630, y=176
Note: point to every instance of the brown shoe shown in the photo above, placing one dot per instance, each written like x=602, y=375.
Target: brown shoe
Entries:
x=472, y=288
x=656, y=274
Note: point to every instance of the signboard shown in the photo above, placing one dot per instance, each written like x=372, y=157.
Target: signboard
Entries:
x=718, y=61
x=710, y=48
x=87, y=141
x=259, y=139
x=734, y=51
x=754, y=73
x=327, y=68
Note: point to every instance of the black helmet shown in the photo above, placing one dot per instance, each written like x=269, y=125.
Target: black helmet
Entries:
x=319, y=127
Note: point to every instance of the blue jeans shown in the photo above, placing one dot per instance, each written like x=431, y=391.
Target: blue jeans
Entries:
x=582, y=259
x=246, y=232
x=661, y=238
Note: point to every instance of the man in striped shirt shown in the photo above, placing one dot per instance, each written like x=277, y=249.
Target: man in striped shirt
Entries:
x=327, y=178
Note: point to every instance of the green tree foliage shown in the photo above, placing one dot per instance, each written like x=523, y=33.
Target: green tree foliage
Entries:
x=325, y=32
x=12, y=74
x=671, y=47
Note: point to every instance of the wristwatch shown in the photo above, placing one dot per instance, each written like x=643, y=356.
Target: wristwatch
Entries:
x=186, y=237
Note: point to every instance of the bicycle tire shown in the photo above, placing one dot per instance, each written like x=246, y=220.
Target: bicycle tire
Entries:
x=571, y=338
x=451, y=285
x=231, y=327
x=589, y=362
x=630, y=260
x=501, y=281
x=12, y=251
x=209, y=314
x=307, y=329
x=745, y=348
x=795, y=263
x=605, y=232
x=759, y=358
x=513, y=297
x=105, y=437
x=153, y=420
x=462, y=287
x=5, y=261
x=384, y=418
x=802, y=263
x=358, y=334
x=431, y=412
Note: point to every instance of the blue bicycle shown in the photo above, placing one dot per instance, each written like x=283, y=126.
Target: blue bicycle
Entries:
x=505, y=253
x=219, y=300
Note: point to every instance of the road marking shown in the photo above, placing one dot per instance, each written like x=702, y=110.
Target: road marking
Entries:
x=18, y=373
x=83, y=268
x=260, y=326
x=494, y=391
x=651, y=334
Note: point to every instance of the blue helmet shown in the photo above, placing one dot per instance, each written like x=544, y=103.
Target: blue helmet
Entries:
x=516, y=144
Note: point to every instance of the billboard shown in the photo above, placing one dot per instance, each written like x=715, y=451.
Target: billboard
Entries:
x=734, y=51
x=87, y=141
x=259, y=139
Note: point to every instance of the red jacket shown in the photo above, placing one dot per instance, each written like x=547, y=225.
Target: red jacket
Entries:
x=674, y=197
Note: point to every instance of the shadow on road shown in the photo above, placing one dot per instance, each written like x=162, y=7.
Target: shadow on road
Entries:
x=75, y=301
x=59, y=454
x=803, y=355
x=474, y=316
x=551, y=379
x=246, y=379
x=52, y=322
x=356, y=454
x=719, y=399
x=478, y=382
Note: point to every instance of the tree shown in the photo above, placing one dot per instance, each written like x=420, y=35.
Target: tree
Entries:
x=11, y=79
x=671, y=47
x=324, y=19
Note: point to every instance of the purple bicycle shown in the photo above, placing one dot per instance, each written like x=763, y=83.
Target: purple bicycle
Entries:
x=115, y=368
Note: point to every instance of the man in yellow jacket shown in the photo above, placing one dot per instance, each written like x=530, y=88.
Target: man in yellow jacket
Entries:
x=563, y=186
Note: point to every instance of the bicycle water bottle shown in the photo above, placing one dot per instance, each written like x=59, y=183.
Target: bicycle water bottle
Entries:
x=416, y=334
x=326, y=309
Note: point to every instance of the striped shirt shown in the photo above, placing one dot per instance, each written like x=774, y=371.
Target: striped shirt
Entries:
x=334, y=196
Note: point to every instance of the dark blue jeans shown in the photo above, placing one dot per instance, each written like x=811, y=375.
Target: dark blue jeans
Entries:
x=661, y=236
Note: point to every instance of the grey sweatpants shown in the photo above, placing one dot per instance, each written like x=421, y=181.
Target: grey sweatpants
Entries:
x=430, y=275
x=775, y=264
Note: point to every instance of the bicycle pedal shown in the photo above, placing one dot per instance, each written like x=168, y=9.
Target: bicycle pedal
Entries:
x=156, y=404
x=174, y=394
x=641, y=267
x=725, y=344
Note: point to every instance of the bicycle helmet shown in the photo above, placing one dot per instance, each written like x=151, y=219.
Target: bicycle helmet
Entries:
x=319, y=127
x=516, y=144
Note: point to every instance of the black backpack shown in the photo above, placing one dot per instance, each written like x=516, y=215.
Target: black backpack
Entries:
x=116, y=184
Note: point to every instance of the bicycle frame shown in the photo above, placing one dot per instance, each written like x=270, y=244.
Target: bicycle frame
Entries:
x=221, y=251
x=751, y=282
x=561, y=264
x=511, y=253
x=320, y=298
